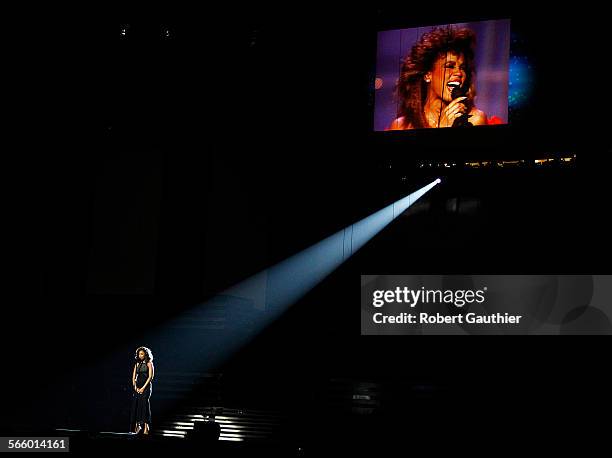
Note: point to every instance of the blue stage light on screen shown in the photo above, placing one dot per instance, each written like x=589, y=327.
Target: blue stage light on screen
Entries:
x=520, y=82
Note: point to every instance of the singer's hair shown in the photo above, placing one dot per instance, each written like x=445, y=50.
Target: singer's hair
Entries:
x=148, y=354
x=411, y=88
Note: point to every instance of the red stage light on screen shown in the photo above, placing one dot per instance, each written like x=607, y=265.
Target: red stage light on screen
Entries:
x=378, y=83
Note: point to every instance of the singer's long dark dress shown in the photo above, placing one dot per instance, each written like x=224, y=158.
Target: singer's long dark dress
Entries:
x=141, y=406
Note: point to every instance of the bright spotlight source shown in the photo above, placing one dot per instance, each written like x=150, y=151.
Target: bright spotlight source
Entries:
x=438, y=181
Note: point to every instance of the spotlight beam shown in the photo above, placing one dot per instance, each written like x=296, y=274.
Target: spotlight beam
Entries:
x=205, y=336
x=214, y=330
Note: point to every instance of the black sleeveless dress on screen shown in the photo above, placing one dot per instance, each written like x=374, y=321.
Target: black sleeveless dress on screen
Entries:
x=141, y=406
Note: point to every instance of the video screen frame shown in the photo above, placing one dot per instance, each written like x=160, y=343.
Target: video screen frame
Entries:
x=410, y=88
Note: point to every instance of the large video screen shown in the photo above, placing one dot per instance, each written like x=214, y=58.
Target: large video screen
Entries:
x=452, y=75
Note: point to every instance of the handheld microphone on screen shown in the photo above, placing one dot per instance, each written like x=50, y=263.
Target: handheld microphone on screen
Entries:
x=456, y=92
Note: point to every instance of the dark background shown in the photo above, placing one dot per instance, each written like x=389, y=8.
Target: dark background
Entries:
x=164, y=167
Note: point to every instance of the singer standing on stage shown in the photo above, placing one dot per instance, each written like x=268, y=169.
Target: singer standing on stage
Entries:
x=439, y=62
x=142, y=378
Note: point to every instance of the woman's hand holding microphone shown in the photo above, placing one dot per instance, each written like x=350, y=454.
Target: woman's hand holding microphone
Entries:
x=454, y=110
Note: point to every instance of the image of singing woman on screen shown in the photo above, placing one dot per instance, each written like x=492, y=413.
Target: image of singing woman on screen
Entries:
x=437, y=83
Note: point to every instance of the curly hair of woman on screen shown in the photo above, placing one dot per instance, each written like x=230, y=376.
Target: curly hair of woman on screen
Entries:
x=438, y=62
